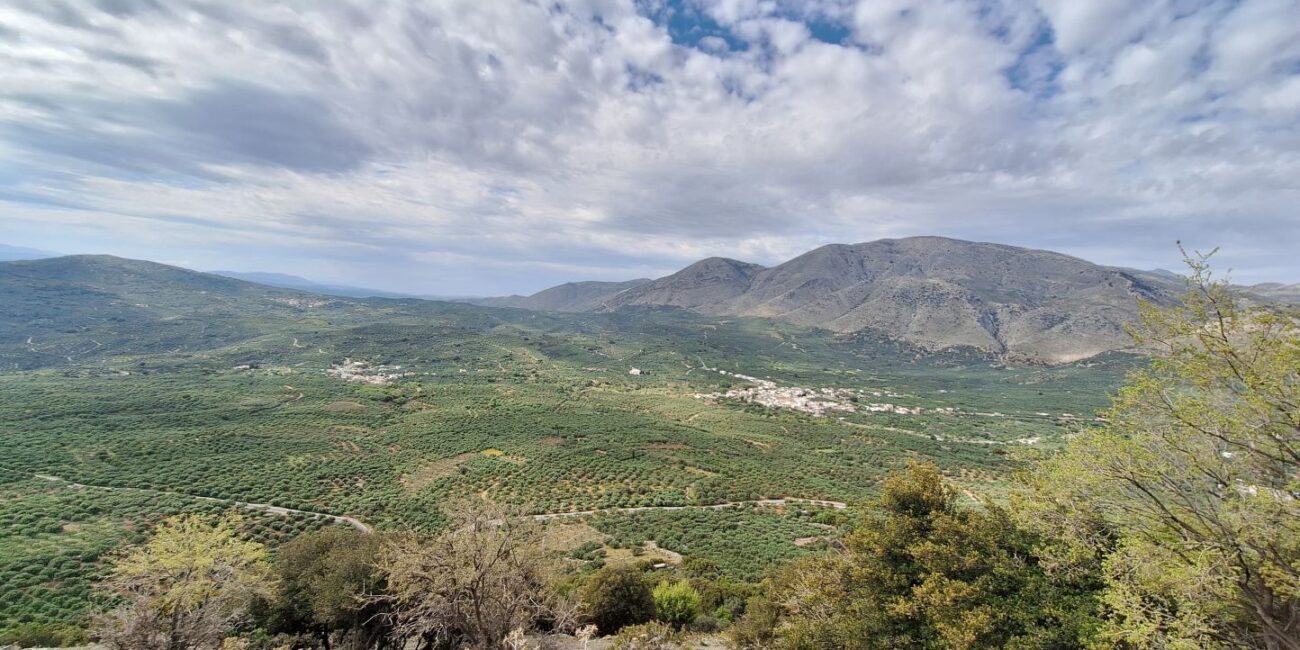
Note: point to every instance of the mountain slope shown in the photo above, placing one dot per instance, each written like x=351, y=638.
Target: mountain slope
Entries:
x=700, y=287
x=940, y=293
x=571, y=296
x=286, y=281
x=1277, y=292
x=102, y=309
x=80, y=306
x=933, y=292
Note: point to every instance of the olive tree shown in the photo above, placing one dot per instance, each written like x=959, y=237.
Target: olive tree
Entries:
x=326, y=578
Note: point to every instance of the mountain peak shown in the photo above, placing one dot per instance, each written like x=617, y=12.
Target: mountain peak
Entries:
x=723, y=263
x=934, y=292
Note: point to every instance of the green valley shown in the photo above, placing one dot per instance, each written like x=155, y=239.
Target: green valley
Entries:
x=216, y=392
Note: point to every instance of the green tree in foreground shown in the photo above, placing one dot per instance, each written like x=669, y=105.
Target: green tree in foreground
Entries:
x=325, y=578
x=187, y=588
x=1193, y=485
x=923, y=574
x=676, y=603
x=618, y=596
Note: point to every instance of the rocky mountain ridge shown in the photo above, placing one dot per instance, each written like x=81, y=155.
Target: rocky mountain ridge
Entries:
x=933, y=292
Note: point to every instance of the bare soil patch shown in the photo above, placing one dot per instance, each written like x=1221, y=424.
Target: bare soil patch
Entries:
x=668, y=445
x=433, y=471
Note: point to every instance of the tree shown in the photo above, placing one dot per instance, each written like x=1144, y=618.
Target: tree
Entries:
x=472, y=585
x=700, y=567
x=188, y=587
x=923, y=573
x=325, y=578
x=1192, y=487
x=676, y=603
x=618, y=596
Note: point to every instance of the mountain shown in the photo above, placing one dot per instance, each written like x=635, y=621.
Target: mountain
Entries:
x=11, y=253
x=1276, y=292
x=84, y=306
x=571, y=296
x=932, y=292
x=99, y=308
x=286, y=281
x=703, y=286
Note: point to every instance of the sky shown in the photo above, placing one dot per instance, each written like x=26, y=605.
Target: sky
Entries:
x=486, y=147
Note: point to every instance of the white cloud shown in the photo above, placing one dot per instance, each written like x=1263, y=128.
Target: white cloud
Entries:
x=405, y=141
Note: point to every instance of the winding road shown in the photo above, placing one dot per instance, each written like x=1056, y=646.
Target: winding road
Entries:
x=772, y=503
x=365, y=528
x=265, y=507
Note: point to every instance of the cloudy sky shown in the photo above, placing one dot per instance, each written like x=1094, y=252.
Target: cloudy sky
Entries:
x=476, y=147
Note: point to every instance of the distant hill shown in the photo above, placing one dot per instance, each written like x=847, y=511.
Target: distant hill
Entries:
x=11, y=253
x=1277, y=292
x=932, y=292
x=572, y=296
x=80, y=306
x=928, y=293
x=286, y=281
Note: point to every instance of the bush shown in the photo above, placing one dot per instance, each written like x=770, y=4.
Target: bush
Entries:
x=699, y=567
x=618, y=596
x=33, y=635
x=706, y=624
x=758, y=628
x=676, y=603
x=646, y=636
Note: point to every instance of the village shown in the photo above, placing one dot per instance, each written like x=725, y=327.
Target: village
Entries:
x=363, y=372
x=817, y=402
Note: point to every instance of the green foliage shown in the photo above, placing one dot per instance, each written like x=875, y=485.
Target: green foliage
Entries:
x=925, y=573
x=43, y=635
x=188, y=586
x=742, y=542
x=676, y=603
x=55, y=541
x=184, y=387
x=1187, y=496
x=699, y=567
x=618, y=596
x=326, y=578
x=758, y=628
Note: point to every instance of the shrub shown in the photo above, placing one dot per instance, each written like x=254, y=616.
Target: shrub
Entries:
x=706, y=624
x=31, y=635
x=758, y=627
x=646, y=636
x=676, y=603
x=618, y=596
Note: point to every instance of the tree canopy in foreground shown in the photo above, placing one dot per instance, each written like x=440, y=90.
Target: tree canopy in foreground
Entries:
x=1187, y=497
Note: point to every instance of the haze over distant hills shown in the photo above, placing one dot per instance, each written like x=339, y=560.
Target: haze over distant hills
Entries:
x=929, y=291
x=570, y=296
x=287, y=281
x=13, y=253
